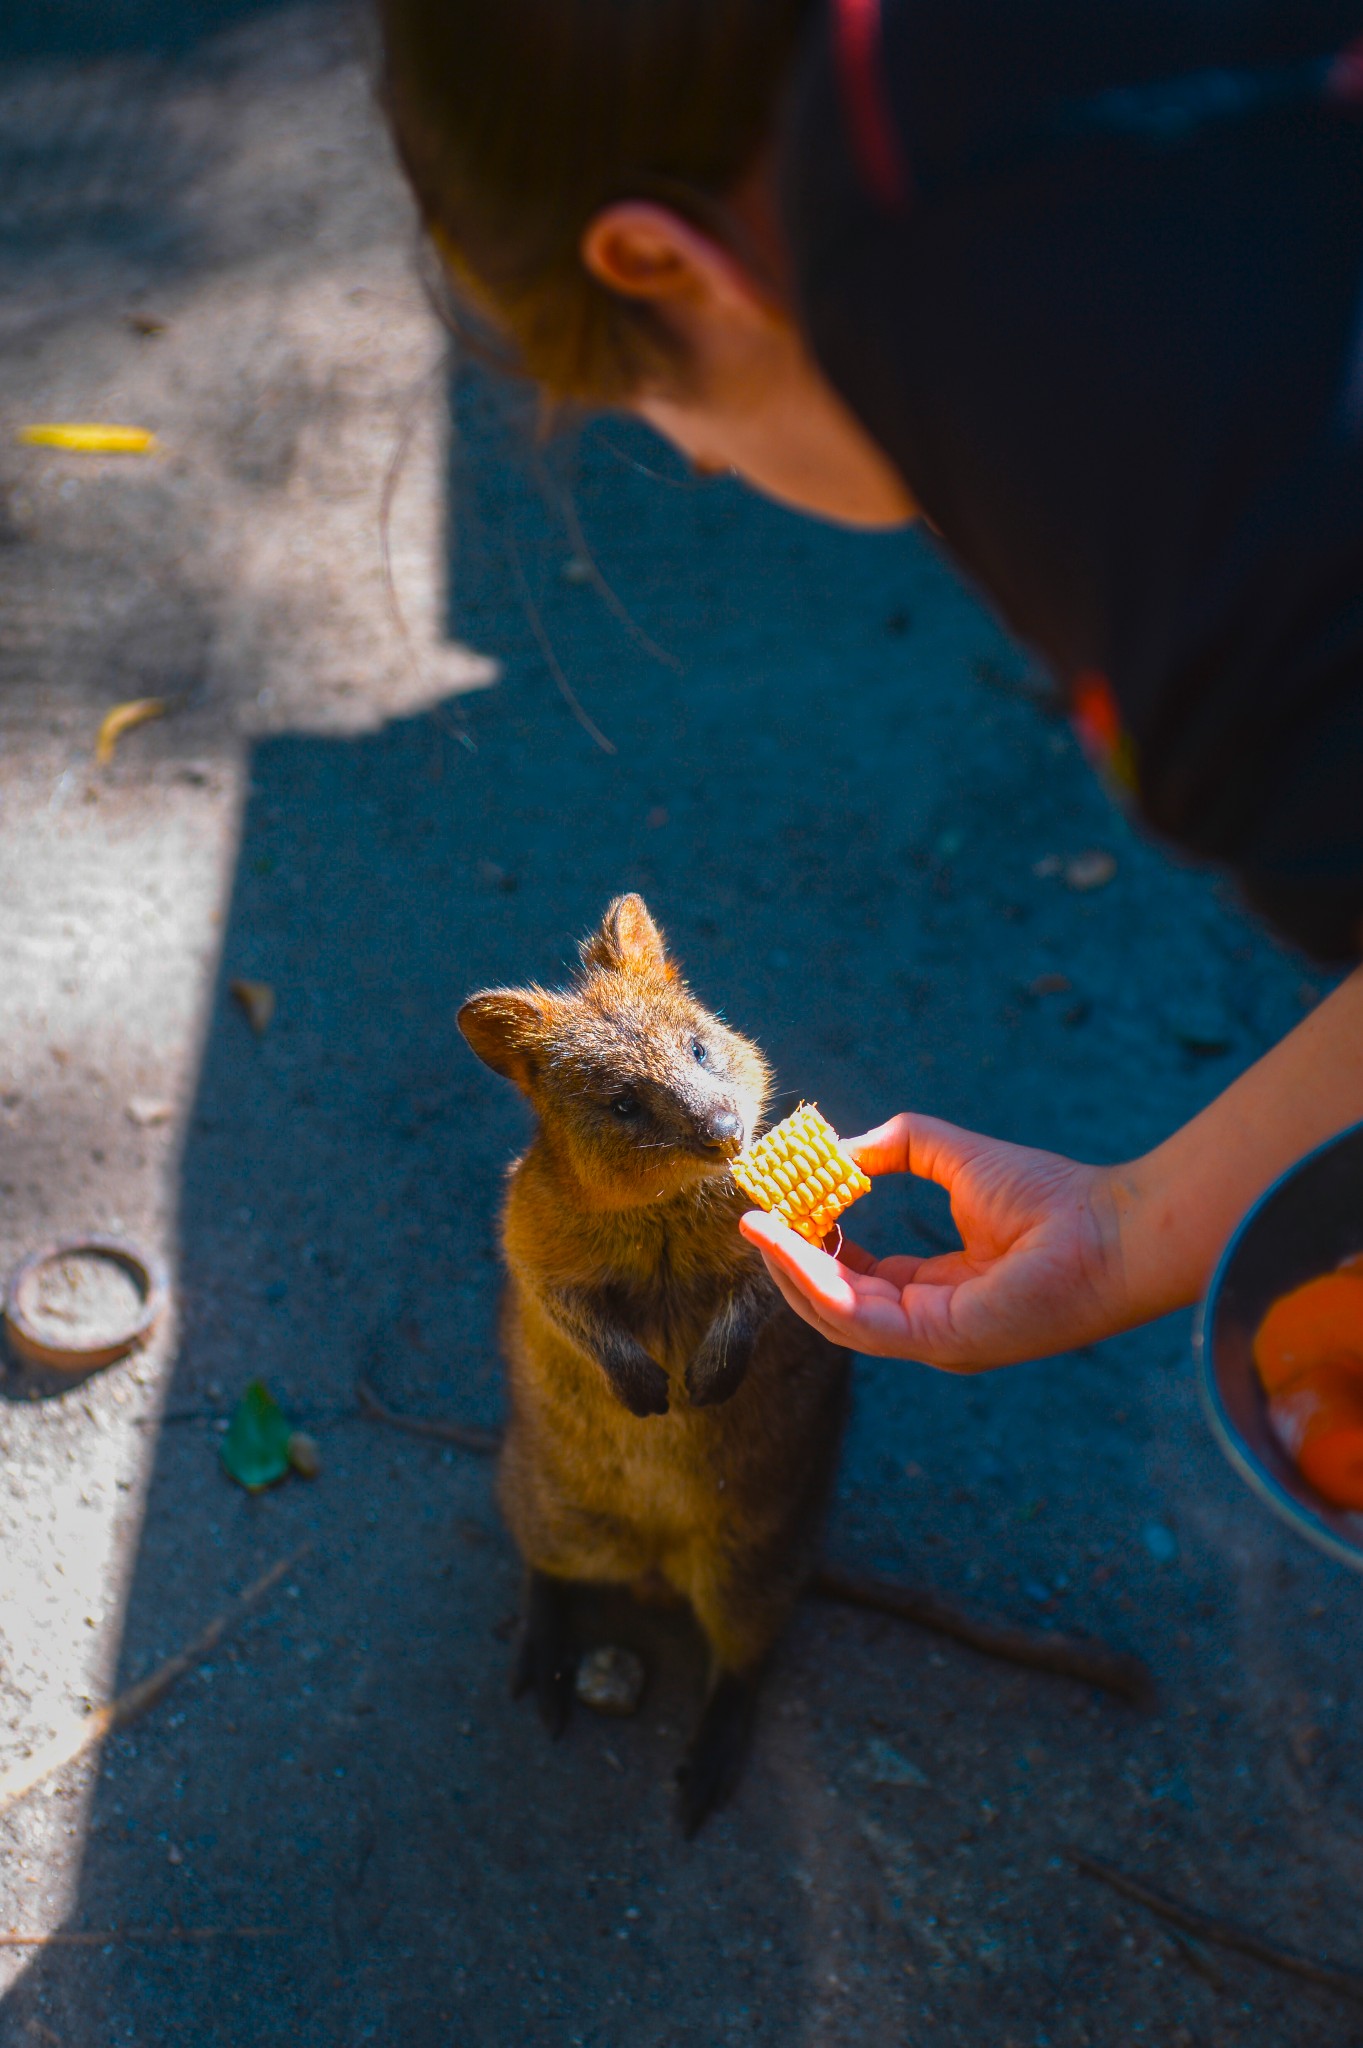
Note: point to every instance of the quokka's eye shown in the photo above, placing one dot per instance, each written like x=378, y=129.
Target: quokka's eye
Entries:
x=625, y=1107
x=698, y=1052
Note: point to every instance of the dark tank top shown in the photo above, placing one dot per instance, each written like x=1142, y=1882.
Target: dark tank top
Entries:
x=1092, y=275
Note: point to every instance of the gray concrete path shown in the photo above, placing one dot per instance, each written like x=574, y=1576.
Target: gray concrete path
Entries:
x=830, y=780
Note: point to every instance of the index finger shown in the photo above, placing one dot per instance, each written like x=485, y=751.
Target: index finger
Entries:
x=817, y=1275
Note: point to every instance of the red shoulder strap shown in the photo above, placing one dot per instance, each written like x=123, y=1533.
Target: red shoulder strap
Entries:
x=859, y=54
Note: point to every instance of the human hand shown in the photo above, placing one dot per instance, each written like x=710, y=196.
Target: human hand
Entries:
x=1039, y=1270
x=1054, y=1253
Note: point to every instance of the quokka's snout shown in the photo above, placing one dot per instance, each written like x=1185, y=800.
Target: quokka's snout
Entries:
x=722, y=1131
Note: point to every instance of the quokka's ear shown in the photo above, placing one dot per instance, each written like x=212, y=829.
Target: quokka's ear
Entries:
x=627, y=940
x=506, y=1028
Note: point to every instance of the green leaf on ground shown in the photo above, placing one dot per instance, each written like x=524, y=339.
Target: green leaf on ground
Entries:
x=255, y=1449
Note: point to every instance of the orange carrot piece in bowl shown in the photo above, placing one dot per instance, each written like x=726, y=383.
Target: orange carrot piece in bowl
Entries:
x=1318, y=1420
x=1333, y=1464
x=1321, y=1319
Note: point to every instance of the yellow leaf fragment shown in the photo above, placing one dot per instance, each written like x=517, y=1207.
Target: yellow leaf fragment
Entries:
x=122, y=719
x=89, y=437
x=257, y=999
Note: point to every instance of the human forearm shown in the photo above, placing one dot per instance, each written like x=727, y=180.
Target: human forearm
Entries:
x=1177, y=1205
x=1054, y=1253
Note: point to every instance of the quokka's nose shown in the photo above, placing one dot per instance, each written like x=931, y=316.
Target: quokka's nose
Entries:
x=723, y=1129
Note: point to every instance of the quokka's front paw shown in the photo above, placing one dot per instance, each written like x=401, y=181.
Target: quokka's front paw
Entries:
x=717, y=1369
x=637, y=1382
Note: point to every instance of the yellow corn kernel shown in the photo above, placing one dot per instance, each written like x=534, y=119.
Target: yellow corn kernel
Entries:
x=799, y=1170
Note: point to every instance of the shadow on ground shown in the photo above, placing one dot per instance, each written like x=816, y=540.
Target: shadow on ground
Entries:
x=832, y=792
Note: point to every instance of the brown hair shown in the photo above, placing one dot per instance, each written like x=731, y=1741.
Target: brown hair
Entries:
x=518, y=120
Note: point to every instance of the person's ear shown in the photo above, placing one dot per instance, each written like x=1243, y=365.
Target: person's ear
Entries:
x=643, y=251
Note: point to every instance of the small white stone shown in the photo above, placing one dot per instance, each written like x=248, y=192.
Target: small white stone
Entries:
x=1091, y=870
x=610, y=1680
x=145, y=1111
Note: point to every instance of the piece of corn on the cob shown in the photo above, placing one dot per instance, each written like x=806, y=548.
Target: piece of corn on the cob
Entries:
x=800, y=1172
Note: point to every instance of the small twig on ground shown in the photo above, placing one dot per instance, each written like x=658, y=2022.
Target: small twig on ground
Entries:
x=581, y=547
x=410, y=423
x=1225, y=1933
x=139, y=1699
x=1198, y=1958
x=546, y=648
x=1039, y=1649
x=1091, y=1664
x=99, y=1937
x=467, y=1435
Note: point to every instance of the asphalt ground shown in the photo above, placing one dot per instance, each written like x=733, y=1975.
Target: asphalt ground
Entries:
x=844, y=795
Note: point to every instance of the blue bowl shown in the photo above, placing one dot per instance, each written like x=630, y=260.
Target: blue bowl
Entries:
x=1304, y=1225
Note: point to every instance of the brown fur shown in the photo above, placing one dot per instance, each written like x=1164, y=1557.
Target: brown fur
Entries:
x=670, y=1419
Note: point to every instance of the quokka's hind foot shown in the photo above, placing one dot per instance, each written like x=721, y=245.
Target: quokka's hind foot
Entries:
x=713, y=1764
x=544, y=1660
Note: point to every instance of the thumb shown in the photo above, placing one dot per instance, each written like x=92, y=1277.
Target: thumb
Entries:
x=922, y=1145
